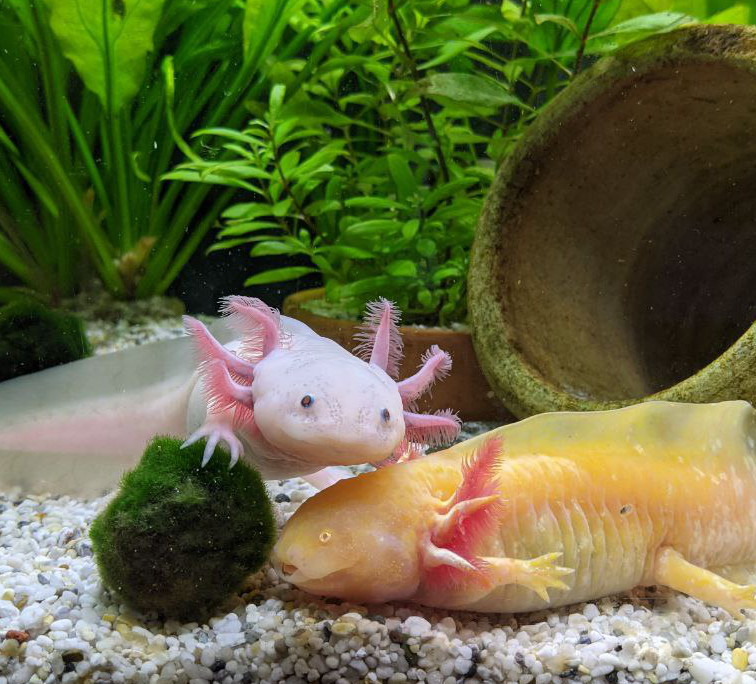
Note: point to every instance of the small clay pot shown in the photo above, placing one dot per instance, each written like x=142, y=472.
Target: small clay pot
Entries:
x=465, y=389
x=614, y=258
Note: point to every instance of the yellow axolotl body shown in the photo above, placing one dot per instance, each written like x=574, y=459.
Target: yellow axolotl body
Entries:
x=556, y=509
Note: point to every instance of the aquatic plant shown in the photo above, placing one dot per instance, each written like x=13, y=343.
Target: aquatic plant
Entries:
x=34, y=337
x=179, y=539
x=94, y=100
x=369, y=166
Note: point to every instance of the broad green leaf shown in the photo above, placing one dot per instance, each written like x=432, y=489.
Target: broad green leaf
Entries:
x=247, y=227
x=247, y=210
x=737, y=14
x=450, y=49
x=447, y=190
x=274, y=247
x=375, y=285
x=278, y=275
x=277, y=94
x=373, y=203
x=264, y=22
x=425, y=247
x=559, y=19
x=108, y=42
x=346, y=251
x=402, y=267
x=322, y=206
x=402, y=176
x=648, y=23
x=372, y=229
x=469, y=89
x=410, y=228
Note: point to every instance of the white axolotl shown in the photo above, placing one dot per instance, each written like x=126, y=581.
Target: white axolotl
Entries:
x=290, y=402
x=299, y=401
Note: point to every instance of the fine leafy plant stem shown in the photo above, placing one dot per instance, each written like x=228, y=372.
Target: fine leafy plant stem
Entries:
x=584, y=36
x=424, y=104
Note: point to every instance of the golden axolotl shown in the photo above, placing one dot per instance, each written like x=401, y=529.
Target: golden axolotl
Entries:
x=557, y=509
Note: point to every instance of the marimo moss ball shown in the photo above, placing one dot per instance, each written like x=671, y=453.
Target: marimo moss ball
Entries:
x=33, y=337
x=180, y=539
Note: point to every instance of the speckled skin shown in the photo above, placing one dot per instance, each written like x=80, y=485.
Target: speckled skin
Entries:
x=621, y=495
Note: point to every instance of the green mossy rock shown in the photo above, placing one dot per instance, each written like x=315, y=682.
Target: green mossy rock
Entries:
x=179, y=539
x=33, y=337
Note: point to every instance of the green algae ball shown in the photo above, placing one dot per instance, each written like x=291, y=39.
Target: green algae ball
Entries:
x=179, y=539
x=33, y=337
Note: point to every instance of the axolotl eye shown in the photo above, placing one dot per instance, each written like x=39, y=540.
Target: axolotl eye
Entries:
x=307, y=400
x=385, y=415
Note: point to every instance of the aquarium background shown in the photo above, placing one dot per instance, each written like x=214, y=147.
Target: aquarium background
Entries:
x=159, y=155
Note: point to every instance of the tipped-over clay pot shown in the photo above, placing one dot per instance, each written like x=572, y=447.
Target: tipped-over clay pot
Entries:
x=615, y=258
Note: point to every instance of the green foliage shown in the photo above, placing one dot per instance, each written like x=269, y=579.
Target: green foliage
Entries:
x=368, y=161
x=33, y=337
x=95, y=98
x=179, y=539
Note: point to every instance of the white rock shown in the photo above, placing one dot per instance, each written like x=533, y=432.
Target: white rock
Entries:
x=416, y=626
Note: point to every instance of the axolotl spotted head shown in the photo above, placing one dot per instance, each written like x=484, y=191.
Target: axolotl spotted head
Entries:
x=313, y=403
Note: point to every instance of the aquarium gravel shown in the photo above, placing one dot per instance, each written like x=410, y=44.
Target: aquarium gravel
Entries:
x=59, y=625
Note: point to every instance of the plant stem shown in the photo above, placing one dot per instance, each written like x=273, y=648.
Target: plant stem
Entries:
x=287, y=188
x=584, y=37
x=424, y=104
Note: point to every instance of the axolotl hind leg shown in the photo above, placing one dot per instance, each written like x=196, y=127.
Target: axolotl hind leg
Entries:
x=672, y=570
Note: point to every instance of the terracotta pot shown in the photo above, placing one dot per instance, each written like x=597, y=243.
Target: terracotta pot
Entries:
x=614, y=258
x=465, y=389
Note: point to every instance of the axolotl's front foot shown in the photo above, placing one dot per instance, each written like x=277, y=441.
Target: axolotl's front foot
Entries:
x=215, y=433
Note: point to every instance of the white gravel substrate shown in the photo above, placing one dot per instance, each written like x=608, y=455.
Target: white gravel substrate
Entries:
x=58, y=624
x=72, y=630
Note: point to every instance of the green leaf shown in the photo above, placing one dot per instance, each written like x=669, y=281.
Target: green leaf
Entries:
x=108, y=42
x=469, y=89
x=401, y=174
x=450, y=49
x=447, y=190
x=647, y=23
x=425, y=247
x=278, y=275
x=346, y=251
x=277, y=94
x=410, y=228
x=275, y=247
x=402, y=267
x=372, y=229
x=373, y=203
x=247, y=227
x=559, y=19
x=264, y=22
x=737, y=14
x=247, y=210
x=322, y=206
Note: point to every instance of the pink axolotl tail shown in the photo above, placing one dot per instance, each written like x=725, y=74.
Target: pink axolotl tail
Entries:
x=297, y=401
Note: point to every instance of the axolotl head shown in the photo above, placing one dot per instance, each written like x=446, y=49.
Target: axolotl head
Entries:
x=399, y=532
x=321, y=407
x=356, y=540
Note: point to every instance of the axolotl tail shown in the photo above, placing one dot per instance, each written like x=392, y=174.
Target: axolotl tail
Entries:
x=76, y=428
